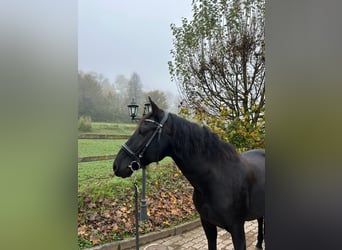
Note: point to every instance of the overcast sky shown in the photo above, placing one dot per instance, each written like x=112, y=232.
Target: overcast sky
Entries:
x=125, y=36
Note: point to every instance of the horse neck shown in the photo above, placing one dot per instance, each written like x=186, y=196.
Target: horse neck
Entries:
x=192, y=154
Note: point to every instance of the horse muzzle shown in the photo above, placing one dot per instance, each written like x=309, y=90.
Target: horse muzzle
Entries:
x=126, y=171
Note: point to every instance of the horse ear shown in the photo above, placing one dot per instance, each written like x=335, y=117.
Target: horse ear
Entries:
x=155, y=109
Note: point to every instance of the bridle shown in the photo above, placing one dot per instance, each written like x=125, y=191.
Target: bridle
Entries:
x=137, y=156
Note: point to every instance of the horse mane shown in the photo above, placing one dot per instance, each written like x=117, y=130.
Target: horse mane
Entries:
x=201, y=140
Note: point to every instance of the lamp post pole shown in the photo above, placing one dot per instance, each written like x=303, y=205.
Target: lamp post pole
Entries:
x=133, y=110
x=143, y=207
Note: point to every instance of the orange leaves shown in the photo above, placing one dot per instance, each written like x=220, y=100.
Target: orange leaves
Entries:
x=95, y=240
x=115, y=227
x=82, y=230
x=169, y=202
x=243, y=132
x=171, y=207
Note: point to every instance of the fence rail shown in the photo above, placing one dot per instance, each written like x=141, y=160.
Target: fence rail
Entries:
x=96, y=158
x=101, y=136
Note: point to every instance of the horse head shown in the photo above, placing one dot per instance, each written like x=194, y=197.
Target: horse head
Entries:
x=148, y=143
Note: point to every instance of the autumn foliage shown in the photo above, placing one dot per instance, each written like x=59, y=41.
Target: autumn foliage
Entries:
x=107, y=218
x=242, y=131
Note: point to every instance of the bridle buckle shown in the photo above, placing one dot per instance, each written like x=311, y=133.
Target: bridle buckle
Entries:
x=134, y=166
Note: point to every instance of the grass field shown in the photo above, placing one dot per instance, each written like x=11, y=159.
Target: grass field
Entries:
x=98, y=174
x=111, y=128
x=95, y=147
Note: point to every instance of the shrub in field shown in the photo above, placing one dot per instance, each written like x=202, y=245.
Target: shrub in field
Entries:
x=84, y=123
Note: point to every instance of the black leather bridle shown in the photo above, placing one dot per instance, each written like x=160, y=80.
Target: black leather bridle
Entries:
x=136, y=156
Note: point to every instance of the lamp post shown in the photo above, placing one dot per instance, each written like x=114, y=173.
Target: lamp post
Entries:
x=133, y=112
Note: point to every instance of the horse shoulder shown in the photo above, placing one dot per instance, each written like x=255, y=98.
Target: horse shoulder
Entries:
x=216, y=204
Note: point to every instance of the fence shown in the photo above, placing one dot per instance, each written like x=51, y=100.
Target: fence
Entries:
x=99, y=137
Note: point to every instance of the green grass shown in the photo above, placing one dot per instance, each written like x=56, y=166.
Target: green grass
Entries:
x=112, y=128
x=100, y=173
x=96, y=180
x=94, y=173
x=97, y=147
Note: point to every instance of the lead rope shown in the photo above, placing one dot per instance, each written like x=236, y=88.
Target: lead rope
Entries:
x=136, y=191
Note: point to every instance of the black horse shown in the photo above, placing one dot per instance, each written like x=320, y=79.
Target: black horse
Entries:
x=228, y=187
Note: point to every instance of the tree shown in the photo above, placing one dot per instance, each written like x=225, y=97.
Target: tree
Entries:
x=219, y=60
x=121, y=99
x=104, y=101
x=90, y=95
x=95, y=97
x=158, y=97
x=134, y=89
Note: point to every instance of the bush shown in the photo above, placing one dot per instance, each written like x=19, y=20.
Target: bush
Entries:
x=84, y=124
x=240, y=131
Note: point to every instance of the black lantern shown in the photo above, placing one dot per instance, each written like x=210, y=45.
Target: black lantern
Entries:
x=133, y=109
x=147, y=107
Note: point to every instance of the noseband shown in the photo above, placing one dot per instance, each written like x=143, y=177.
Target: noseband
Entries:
x=136, y=156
